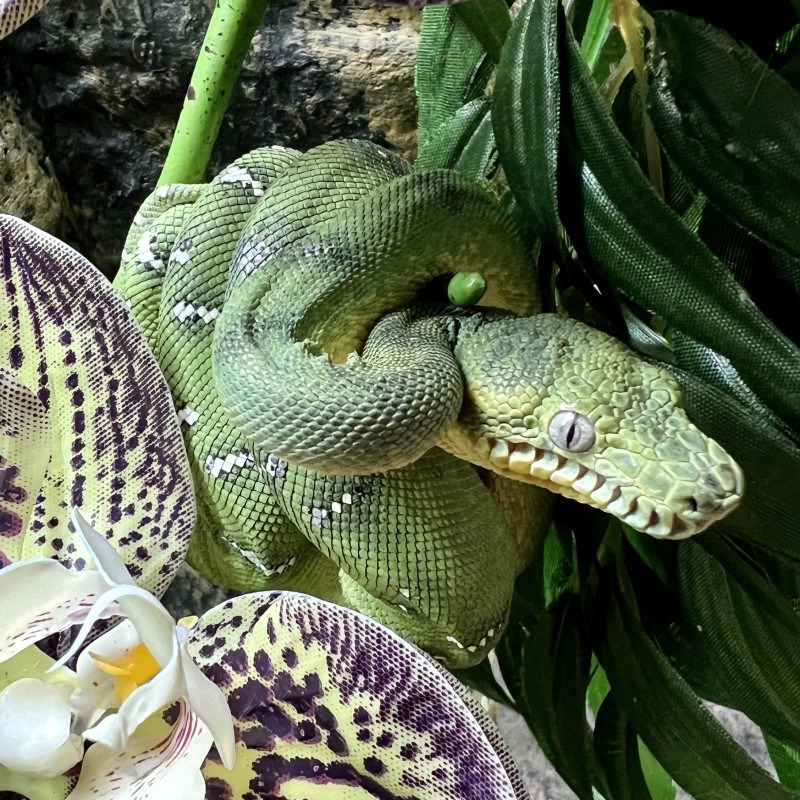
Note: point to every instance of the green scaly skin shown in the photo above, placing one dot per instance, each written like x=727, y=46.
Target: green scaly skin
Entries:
x=319, y=393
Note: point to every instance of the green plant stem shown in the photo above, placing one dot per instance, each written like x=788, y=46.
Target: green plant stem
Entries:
x=224, y=48
x=597, y=28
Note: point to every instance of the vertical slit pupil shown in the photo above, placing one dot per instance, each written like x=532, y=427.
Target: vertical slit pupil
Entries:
x=571, y=433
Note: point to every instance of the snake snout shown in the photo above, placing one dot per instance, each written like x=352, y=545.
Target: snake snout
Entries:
x=715, y=496
x=727, y=479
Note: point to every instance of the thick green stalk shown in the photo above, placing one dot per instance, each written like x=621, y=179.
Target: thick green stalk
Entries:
x=226, y=43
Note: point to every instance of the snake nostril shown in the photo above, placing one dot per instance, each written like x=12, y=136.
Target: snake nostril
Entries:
x=692, y=503
x=723, y=481
x=731, y=478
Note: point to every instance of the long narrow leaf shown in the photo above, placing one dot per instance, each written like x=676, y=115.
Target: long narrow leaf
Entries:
x=671, y=719
x=465, y=142
x=597, y=28
x=754, y=664
x=617, y=221
x=730, y=122
x=556, y=661
x=616, y=748
x=658, y=780
x=526, y=113
x=770, y=511
x=452, y=70
x=489, y=22
x=786, y=760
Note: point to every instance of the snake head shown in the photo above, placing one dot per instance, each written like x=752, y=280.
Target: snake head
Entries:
x=553, y=402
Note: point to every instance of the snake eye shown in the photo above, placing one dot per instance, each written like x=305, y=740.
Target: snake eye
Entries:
x=571, y=431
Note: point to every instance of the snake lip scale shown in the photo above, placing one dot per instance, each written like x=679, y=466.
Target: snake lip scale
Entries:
x=522, y=461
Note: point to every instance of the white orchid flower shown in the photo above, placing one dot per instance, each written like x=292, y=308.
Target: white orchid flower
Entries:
x=122, y=680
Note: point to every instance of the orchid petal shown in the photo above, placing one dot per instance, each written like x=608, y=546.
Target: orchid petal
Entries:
x=30, y=663
x=106, y=559
x=41, y=597
x=148, y=768
x=35, y=721
x=96, y=687
x=151, y=619
x=154, y=623
x=324, y=696
x=34, y=787
x=209, y=703
x=167, y=686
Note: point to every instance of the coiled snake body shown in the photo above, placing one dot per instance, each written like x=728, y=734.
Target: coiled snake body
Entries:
x=333, y=418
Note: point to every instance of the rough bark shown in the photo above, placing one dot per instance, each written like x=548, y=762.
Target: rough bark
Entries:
x=104, y=81
x=27, y=183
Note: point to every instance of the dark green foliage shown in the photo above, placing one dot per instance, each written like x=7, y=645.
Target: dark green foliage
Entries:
x=617, y=751
x=706, y=279
x=731, y=124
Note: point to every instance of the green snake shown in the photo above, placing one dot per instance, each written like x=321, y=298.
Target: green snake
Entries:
x=353, y=436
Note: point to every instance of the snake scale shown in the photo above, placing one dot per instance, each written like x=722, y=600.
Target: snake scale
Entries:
x=354, y=437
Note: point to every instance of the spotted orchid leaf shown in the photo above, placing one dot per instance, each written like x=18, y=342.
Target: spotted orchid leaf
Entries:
x=329, y=704
x=14, y=13
x=69, y=343
x=23, y=423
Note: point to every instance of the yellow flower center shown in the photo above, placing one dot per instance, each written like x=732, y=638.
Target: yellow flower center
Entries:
x=133, y=668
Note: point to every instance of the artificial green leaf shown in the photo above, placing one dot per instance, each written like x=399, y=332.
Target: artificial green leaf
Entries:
x=478, y=152
x=555, y=677
x=464, y=142
x=758, y=26
x=617, y=752
x=761, y=270
x=786, y=760
x=730, y=122
x=753, y=664
x=617, y=221
x=769, y=514
x=659, y=556
x=527, y=606
x=718, y=373
x=598, y=687
x=481, y=678
x=526, y=114
x=789, y=48
x=658, y=780
x=557, y=565
x=787, y=270
x=452, y=70
x=489, y=21
x=671, y=719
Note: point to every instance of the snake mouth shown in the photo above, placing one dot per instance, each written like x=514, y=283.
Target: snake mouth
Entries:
x=524, y=462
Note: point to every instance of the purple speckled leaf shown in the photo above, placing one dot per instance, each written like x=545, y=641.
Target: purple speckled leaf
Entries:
x=14, y=12
x=326, y=700
x=115, y=448
x=24, y=437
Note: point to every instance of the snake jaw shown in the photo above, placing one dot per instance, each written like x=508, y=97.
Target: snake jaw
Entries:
x=553, y=402
x=679, y=515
